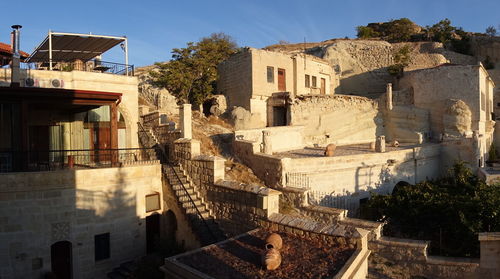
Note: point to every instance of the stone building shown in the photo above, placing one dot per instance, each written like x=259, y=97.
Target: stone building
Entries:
x=459, y=100
x=261, y=80
x=77, y=195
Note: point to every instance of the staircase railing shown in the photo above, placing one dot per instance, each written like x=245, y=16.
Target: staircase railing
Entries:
x=164, y=160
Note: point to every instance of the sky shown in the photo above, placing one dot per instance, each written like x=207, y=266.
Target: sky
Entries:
x=153, y=28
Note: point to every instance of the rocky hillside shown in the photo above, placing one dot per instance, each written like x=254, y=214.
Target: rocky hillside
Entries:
x=363, y=64
x=152, y=96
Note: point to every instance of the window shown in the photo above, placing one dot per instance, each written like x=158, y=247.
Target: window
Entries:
x=308, y=81
x=152, y=202
x=270, y=74
x=314, y=82
x=101, y=246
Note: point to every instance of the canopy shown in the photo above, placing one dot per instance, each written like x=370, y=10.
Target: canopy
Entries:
x=71, y=46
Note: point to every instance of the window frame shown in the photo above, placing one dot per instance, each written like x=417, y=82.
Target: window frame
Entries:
x=270, y=74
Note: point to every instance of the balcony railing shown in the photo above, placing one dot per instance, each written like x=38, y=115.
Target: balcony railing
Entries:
x=89, y=66
x=17, y=161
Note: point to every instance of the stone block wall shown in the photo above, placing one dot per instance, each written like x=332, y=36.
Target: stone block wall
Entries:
x=338, y=119
x=282, y=138
x=38, y=209
x=266, y=167
x=240, y=207
x=404, y=258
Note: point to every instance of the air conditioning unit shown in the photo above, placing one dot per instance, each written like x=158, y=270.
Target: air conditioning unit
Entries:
x=31, y=82
x=56, y=83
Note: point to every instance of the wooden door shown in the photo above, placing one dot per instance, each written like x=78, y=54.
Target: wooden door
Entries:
x=281, y=80
x=61, y=260
x=39, y=144
x=279, y=116
x=323, y=86
x=101, y=141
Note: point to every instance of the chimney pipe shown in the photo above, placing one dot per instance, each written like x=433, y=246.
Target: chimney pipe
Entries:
x=16, y=57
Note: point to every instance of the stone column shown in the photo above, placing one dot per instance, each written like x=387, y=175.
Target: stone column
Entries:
x=489, y=262
x=388, y=93
x=186, y=121
x=380, y=144
x=267, y=147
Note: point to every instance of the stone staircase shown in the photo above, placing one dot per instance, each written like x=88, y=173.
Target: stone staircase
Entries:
x=189, y=199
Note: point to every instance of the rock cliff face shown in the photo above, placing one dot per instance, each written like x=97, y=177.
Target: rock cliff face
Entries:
x=156, y=98
x=362, y=64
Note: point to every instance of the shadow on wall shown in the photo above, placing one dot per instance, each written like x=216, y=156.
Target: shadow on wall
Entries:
x=71, y=228
x=371, y=84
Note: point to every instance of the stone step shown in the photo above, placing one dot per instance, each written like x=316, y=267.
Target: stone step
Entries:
x=191, y=210
x=180, y=187
x=182, y=192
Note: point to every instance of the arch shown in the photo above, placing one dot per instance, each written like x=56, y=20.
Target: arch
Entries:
x=399, y=185
x=61, y=259
x=125, y=115
x=170, y=225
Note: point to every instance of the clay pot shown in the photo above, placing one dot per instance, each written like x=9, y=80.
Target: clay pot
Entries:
x=330, y=150
x=271, y=259
x=274, y=240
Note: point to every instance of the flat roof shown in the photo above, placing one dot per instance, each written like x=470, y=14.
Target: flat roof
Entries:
x=72, y=46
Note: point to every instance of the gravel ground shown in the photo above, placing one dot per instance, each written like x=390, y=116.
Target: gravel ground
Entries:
x=339, y=151
x=241, y=258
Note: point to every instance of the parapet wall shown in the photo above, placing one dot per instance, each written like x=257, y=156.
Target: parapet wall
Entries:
x=282, y=138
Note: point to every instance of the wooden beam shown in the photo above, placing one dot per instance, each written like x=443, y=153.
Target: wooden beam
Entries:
x=114, y=133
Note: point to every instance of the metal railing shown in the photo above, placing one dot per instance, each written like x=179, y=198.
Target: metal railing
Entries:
x=48, y=160
x=89, y=66
x=146, y=140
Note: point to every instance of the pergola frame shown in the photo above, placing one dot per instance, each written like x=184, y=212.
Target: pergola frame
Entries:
x=47, y=45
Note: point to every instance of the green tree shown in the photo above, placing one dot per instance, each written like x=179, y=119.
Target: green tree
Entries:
x=191, y=75
x=400, y=30
x=442, y=31
x=401, y=60
x=365, y=32
x=491, y=31
x=449, y=211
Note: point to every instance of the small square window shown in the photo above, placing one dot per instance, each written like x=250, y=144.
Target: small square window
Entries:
x=101, y=246
x=308, y=81
x=270, y=74
x=152, y=202
x=314, y=82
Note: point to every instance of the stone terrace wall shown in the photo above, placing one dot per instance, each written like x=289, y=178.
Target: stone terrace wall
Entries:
x=282, y=138
x=338, y=119
x=266, y=167
x=237, y=207
x=404, y=258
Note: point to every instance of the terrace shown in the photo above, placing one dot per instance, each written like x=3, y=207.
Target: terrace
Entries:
x=81, y=52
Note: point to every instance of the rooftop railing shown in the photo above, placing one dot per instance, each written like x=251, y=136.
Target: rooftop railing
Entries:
x=96, y=66
x=50, y=160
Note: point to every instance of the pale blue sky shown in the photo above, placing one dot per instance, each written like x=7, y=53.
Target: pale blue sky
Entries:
x=155, y=27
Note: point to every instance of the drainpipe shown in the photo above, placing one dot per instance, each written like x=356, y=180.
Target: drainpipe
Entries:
x=16, y=57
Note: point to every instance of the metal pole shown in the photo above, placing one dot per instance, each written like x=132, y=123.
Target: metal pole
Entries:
x=126, y=55
x=50, y=50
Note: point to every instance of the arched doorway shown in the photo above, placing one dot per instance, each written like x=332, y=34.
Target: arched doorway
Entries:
x=152, y=232
x=399, y=185
x=61, y=259
x=170, y=227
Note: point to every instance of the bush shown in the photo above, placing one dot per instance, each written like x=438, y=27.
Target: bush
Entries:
x=365, y=32
x=449, y=212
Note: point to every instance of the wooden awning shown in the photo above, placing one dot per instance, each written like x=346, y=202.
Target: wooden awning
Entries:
x=67, y=96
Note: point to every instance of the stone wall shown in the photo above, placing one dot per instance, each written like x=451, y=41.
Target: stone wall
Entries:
x=240, y=207
x=282, y=138
x=237, y=207
x=403, y=258
x=235, y=79
x=266, y=167
x=337, y=119
x=38, y=209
